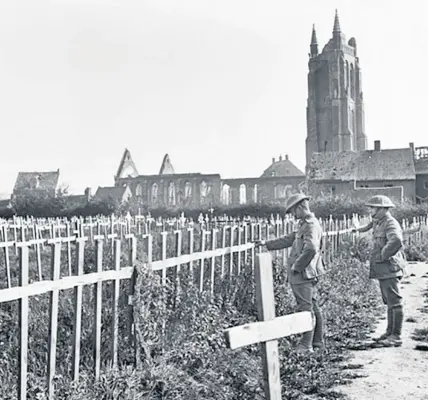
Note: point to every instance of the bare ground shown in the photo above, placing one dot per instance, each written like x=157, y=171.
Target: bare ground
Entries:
x=397, y=373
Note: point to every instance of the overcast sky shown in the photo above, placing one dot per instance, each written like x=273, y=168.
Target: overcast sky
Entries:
x=220, y=85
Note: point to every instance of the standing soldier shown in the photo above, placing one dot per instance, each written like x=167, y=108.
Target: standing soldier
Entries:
x=387, y=262
x=305, y=265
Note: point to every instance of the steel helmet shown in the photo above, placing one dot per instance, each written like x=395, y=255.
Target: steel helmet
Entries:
x=380, y=201
x=294, y=200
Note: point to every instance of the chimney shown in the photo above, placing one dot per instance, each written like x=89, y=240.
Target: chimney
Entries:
x=286, y=156
x=273, y=160
x=377, y=145
x=412, y=147
x=88, y=193
x=280, y=157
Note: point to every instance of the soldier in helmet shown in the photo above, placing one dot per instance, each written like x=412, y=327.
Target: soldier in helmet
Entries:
x=387, y=262
x=305, y=265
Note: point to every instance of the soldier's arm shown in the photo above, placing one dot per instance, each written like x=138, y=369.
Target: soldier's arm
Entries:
x=365, y=228
x=394, y=240
x=281, y=243
x=311, y=243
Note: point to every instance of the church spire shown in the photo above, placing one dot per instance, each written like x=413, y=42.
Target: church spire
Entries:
x=336, y=26
x=314, y=42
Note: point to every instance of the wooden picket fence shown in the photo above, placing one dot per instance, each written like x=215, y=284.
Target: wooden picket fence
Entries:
x=213, y=254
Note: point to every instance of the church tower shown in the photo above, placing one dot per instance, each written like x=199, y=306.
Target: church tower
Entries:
x=335, y=109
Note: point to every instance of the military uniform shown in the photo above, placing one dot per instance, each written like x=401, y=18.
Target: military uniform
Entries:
x=304, y=266
x=387, y=263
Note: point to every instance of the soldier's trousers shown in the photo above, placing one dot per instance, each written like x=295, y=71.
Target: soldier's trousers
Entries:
x=390, y=292
x=306, y=299
x=394, y=301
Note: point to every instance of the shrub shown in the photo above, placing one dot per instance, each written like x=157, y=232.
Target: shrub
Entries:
x=417, y=250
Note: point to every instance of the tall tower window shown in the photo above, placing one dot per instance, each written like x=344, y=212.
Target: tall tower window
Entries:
x=352, y=82
x=347, y=75
x=353, y=121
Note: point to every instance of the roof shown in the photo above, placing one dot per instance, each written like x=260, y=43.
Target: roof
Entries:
x=421, y=166
x=282, y=167
x=367, y=165
x=113, y=192
x=4, y=203
x=127, y=166
x=166, y=167
x=37, y=180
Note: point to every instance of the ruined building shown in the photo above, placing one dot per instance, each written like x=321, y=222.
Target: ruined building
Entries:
x=171, y=189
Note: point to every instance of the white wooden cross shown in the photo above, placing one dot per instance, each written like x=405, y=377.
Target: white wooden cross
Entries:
x=269, y=329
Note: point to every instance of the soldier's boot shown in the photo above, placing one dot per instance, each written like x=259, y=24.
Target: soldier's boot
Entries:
x=394, y=340
x=388, y=328
x=305, y=344
x=318, y=338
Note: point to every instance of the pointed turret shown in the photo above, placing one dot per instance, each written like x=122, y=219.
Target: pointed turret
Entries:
x=314, y=42
x=166, y=167
x=336, y=26
x=127, y=167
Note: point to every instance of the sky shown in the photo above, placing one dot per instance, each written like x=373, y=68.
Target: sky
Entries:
x=220, y=85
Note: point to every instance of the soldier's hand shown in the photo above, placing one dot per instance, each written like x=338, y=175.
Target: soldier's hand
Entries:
x=259, y=243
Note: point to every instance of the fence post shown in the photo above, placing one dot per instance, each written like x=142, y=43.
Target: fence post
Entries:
x=23, y=322
x=98, y=303
x=202, y=264
x=80, y=255
x=213, y=247
x=132, y=261
x=53, y=320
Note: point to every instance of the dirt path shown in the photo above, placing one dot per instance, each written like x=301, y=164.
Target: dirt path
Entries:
x=396, y=373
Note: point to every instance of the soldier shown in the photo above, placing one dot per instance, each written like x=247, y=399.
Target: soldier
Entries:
x=305, y=265
x=387, y=263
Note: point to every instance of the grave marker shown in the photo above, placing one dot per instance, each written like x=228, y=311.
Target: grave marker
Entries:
x=269, y=329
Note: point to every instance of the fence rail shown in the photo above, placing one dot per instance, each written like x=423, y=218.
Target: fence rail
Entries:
x=212, y=254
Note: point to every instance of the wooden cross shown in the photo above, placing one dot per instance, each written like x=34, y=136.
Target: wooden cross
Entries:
x=269, y=329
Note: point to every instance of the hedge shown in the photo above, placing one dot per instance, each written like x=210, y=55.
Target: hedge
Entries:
x=323, y=207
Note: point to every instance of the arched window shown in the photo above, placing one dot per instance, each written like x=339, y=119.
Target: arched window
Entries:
x=154, y=196
x=171, y=194
x=203, y=189
x=242, y=194
x=347, y=75
x=335, y=88
x=139, y=190
x=188, y=190
x=352, y=82
x=255, y=194
x=225, y=194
